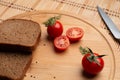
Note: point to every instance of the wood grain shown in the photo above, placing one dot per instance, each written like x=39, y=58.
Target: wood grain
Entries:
x=49, y=64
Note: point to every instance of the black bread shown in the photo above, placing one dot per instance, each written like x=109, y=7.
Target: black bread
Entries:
x=18, y=38
x=13, y=65
x=19, y=35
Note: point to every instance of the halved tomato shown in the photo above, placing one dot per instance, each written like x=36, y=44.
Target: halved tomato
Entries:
x=61, y=42
x=74, y=33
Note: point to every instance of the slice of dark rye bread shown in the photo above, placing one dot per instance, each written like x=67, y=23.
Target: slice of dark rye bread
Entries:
x=13, y=65
x=19, y=35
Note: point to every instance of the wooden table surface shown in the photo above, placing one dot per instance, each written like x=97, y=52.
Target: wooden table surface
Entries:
x=83, y=9
x=86, y=8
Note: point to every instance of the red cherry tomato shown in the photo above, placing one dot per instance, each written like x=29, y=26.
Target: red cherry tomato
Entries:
x=61, y=43
x=55, y=30
x=75, y=33
x=92, y=67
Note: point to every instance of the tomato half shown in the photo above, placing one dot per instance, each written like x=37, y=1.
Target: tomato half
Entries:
x=61, y=42
x=74, y=33
x=92, y=67
x=55, y=30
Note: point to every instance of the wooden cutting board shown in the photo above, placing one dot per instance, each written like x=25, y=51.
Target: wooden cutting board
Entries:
x=48, y=64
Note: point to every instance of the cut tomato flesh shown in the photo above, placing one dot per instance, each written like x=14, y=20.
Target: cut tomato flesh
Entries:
x=75, y=33
x=61, y=42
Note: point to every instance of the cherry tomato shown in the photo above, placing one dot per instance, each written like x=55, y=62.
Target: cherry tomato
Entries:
x=74, y=33
x=92, y=67
x=55, y=30
x=61, y=43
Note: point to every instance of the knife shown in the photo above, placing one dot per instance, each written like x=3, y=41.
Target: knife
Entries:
x=111, y=26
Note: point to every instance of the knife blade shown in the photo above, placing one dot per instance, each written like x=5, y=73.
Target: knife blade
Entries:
x=111, y=26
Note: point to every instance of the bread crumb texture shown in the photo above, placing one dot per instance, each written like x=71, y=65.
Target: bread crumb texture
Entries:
x=19, y=31
x=13, y=65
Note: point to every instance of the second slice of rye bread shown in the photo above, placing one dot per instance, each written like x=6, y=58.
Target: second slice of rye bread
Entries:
x=13, y=65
